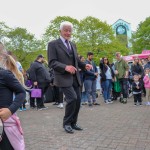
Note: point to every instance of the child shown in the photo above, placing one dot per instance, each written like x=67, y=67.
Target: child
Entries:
x=146, y=80
x=137, y=90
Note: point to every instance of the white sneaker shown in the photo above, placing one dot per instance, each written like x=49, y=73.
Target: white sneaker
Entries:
x=106, y=102
x=60, y=105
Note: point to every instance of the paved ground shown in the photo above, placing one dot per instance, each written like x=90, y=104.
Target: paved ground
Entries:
x=107, y=127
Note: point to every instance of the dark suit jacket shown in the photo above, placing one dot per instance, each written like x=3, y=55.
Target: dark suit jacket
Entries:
x=58, y=58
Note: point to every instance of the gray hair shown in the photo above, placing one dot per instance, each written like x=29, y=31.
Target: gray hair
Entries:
x=66, y=23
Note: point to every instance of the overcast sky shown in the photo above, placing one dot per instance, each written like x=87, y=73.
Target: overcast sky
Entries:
x=35, y=15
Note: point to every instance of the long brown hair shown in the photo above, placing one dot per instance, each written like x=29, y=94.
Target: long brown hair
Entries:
x=139, y=61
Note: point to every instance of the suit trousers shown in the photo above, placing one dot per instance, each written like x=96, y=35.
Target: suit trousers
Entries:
x=73, y=100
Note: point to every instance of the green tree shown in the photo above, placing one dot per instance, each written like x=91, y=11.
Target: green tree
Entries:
x=98, y=36
x=93, y=34
x=141, y=38
x=22, y=43
x=4, y=29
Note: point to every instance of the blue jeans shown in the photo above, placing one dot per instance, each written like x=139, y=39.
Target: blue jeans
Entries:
x=83, y=97
x=107, y=87
x=90, y=89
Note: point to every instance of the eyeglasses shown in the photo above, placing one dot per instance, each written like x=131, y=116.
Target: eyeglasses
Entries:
x=105, y=59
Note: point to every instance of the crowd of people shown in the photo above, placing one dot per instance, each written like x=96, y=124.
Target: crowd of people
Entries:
x=73, y=80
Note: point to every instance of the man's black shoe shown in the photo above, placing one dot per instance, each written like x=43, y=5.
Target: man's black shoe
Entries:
x=68, y=129
x=76, y=127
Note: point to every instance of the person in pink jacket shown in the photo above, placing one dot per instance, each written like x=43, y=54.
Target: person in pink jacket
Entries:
x=146, y=80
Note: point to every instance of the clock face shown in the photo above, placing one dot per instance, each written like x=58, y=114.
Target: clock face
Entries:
x=121, y=30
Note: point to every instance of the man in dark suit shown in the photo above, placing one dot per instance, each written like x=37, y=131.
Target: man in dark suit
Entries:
x=63, y=58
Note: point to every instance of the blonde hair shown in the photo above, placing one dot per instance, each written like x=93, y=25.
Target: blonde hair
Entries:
x=8, y=62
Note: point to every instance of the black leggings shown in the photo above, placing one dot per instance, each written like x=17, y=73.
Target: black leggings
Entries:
x=5, y=144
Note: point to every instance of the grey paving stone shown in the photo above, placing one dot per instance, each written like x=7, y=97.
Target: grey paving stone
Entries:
x=106, y=127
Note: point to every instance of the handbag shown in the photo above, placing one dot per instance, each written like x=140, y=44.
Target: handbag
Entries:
x=36, y=92
x=117, y=87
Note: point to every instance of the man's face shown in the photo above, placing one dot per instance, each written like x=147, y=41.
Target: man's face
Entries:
x=90, y=57
x=118, y=56
x=66, y=32
x=41, y=59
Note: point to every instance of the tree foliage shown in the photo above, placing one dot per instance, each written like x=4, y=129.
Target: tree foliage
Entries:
x=4, y=30
x=93, y=33
x=89, y=34
x=23, y=44
x=141, y=38
x=98, y=37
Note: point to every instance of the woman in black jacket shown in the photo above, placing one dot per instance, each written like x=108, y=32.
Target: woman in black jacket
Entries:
x=137, y=68
x=107, y=76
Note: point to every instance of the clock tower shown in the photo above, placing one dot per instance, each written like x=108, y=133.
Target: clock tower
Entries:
x=122, y=31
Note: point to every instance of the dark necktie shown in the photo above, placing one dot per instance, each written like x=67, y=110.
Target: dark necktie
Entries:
x=68, y=47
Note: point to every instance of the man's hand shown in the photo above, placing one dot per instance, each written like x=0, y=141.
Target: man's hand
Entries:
x=116, y=72
x=5, y=113
x=96, y=74
x=71, y=69
x=88, y=67
x=126, y=74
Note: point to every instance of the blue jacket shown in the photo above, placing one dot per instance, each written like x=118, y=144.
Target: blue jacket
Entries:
x=90, y=74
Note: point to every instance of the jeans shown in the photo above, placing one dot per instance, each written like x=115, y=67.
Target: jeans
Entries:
x=107, y=87
x=83, y=97
x=90, y=89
